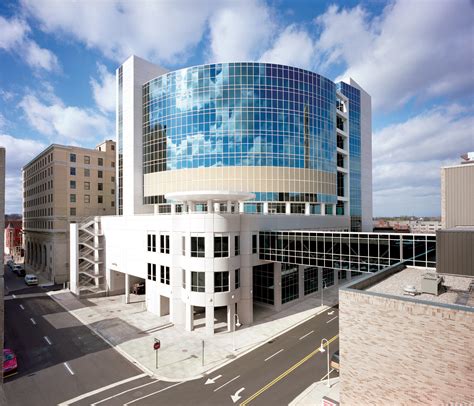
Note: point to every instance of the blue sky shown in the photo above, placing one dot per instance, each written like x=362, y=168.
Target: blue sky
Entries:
x=415, y=57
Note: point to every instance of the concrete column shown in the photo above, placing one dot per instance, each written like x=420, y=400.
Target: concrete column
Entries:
x=127, y=288
x=323, y=209
x=210, y=206
x=300, y=281
x=265, y=207
x=307, y=209
x=173, y=208
x=241, y=207
x=288, y=208
x=229, y=206
x=245, y=305
x=320, y=279
x=210, y=319
x=277, y=285
x=231, y=317
x=349, y=275
x=336, y=277
x=155, y=209
x=189, y=317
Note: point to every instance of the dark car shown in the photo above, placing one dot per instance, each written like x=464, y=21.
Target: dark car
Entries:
x=335, y=361
x=19, y=270
x=138, y=288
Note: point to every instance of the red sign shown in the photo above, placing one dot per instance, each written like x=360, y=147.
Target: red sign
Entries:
x=156, y=345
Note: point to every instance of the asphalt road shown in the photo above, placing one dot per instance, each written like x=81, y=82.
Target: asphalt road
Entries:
x=58, y=357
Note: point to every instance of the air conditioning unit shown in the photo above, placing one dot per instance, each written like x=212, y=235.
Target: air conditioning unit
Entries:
x=431, y=283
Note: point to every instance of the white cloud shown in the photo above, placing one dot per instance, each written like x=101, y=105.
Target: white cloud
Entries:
x=103, y=89
x=407, y=158
x=294, y=46
x=18, y=153
x=14, y=38
x=70, y=124
x=411, y=51
x=158, y=31
x=241, y=31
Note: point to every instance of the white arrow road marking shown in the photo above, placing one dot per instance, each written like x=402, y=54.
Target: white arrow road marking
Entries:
x=331, y=312
x=220, y=387
x=33, y=321
x=236, y=396
x=329, y=321
x=22, y=307
x=48, y=340
x=212, y=380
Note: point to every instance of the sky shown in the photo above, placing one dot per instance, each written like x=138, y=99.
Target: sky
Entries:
x=414, y=57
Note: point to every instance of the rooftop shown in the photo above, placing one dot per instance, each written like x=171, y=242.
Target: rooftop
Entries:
x=458, y=290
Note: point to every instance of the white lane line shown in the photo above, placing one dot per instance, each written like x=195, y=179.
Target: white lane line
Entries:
x=68, y=368
x=271, y=356
x=14, y=296
x=22, y=307
x=306, y=335
x=325, y=376
x=33, y=321
x=47, y=340
x=124, y=392
x=104, y=388
x=334, y=318
x=154, y=393
x=233, y=379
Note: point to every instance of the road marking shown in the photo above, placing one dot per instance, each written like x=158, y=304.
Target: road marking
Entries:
x=334, y=318
x=68, y=368
x=33, y=321
x=13, y=296
x=331, y=312
x=306, y=335
x=236, y=396
x=220, y=387
x=154, y=393
x=287, y=372
x=325, y=376
x=212, y=380
x=48, y=340
x=125, y=391
x=104, y=388
x=22, y=307
x=271, y=356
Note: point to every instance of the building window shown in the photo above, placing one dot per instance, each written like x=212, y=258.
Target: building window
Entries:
x=72, y=211
x=183, y=281
x=342, y=274
x=263, y=284
x=87, y=172
x=164, y=243
x=197, y=247
x=165, y=274
x=100, y=174
x=72, y=198
x=151, y=242
x=112, y=164
x=221, y=281
x=112, y=147
x=100, y=199
x=183, y=245
x=87, y=198
x=151, y=272
x=72, y=171
x=112, y=191
x=289, y=283
x=112, y=204
x=87, y=186
x=254, y=243
x=87, y=159
x=221, y=246
x=329, y=209
x=198, y=281
x=237, y=245
x=100, y=161
x=310, y=280
x=100, y=186
x=112, y=178
x=237, y=278
x=72, y=184
x=328, y=277
x=72, y=157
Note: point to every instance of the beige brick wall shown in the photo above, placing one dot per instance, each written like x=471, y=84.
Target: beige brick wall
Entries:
x=395, y=352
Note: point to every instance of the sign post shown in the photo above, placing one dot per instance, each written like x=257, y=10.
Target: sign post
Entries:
x=156, y=347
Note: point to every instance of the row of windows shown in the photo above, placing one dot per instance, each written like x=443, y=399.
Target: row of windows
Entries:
x=87, y=199
x=164, y=273
x=164, y=243
x=87, y=186
x=41, y=162
x=87, y=172
x=39, y=200
x=87, y=159
x=42, y=175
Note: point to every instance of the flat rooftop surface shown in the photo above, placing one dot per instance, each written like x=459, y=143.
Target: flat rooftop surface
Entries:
x=457, y=291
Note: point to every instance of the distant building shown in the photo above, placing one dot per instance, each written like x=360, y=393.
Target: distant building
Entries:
x=407, y=226
x=14, y=238
x=457, y=193
x=63, y=185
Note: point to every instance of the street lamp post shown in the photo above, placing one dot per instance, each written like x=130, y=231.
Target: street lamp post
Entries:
x=322, y=292
x=237, y=324
x=323, y=350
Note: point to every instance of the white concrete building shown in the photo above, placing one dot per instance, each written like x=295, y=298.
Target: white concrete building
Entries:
x=208, y=157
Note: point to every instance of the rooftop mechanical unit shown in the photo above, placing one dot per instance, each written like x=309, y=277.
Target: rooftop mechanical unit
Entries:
x=431, y=283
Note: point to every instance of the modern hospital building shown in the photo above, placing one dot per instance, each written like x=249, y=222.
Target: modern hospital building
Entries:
x=218, y=166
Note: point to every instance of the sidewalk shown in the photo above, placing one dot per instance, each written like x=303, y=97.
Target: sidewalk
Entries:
x=314, y=394
x=131, y=330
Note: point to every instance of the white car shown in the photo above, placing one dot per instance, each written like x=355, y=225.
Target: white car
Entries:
x=31, y=279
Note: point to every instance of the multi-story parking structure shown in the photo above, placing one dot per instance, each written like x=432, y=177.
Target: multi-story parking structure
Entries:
x=208, y=157
x=62, y=185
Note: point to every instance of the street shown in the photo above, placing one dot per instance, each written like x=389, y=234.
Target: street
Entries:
x=61, y=361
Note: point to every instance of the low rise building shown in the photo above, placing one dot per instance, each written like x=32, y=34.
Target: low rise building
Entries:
x=14, y=239
x=63, y=185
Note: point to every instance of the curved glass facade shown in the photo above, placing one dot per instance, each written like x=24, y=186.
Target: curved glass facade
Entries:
x=241, y=115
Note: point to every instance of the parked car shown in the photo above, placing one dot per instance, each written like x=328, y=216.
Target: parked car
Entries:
x=335, y=361
x=10, y=264
x=31, y=279
x=10, y=365
x=138, y=288
x=19, y=269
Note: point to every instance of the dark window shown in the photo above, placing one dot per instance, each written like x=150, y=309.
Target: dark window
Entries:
x=100, y=174
x=151, y=272
x=72, y=157
x=254, y=244
x=87, y=172
x=237, y=278
x=289, y=283
x=165, y=274
x=221, y=281
x=72, y=184
x=310, y=280
x=263, y=284
x=100, y=161
x=72, y=198
x=72, y=211
x=237, y=245
x=164, y=243
x=328, y=277
x=100, y=199
x=151, y=242
x=87, y=159
x=198, y=281
x=72, y=171
x=221, y=247
x=197, y=247
x=100, y=186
